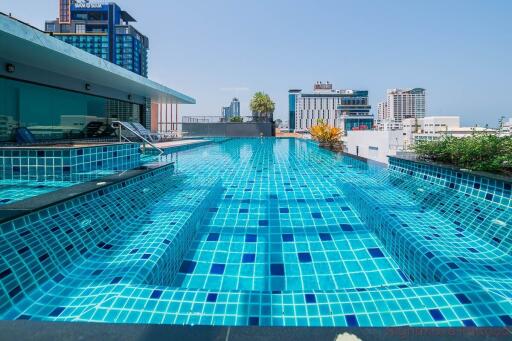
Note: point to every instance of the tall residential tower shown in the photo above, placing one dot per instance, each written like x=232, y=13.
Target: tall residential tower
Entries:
x=103, y=29
x=232, y=111
x=401, y=104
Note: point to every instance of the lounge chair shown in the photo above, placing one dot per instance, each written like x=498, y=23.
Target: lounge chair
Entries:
x=92, y=128
x=23, y=135
x=153, y=137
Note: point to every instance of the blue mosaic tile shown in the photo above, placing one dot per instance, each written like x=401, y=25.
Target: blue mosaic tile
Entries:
x=149, y=258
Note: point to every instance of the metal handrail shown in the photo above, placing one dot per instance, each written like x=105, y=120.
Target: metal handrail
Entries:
x=121, y=125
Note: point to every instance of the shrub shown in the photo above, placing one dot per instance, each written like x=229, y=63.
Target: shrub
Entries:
x=488, y=153
x=325, y=134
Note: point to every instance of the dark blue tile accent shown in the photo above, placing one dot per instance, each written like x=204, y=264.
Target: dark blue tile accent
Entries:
x=217, y=269
x=116, y=280
x=213, y=209
x=57, y=311
x=310, y=298
x=351, y=320
x=187, y=267
x=463, y=298
x=284, y=210
x=24, y=317
x=213, y=237
x=346, y=227
x=254, y=321
x=5, y=273
x=472, y=249
x=243, y=210
x=476, y=185
x=507, y=187
x=212, y=297
x=488, y=196
x=490, y=268
x=325, y=236
x=273, y=196
x=452, y=265
x=344, y=208
x=287, y=237
x=277, y=269
x=316, y=215
x=375, y=252
x=329, y=199
x=156, y=294
x=507, y=320
x=146, y=256
x=301, y=200
x=263, y=222
x=248, y=258
x=250, y=238
x=436, y=314
x=304, y=257
x=469, y=323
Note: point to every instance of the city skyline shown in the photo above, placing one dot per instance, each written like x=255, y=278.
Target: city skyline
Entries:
x=457, y=51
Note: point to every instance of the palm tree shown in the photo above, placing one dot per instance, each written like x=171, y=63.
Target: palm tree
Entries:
x=262, y=107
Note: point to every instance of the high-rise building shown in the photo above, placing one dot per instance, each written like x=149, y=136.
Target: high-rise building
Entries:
x=233, y=110
x=345, y=109
x=103, y=29
x=400, y=104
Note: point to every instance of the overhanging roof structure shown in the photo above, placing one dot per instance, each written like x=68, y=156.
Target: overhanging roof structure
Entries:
x=25, y=44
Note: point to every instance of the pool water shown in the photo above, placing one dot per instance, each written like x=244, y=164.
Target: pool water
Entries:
x=266, y=232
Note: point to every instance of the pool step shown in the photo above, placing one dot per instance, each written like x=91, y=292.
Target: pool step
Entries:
x=426, y=242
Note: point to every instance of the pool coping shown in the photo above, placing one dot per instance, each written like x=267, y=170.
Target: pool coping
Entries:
x=30, y=330
x=33, y=204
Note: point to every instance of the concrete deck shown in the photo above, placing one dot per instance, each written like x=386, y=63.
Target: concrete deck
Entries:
x=179, y=143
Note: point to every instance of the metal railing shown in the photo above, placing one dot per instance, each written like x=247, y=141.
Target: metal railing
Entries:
x=120, y=125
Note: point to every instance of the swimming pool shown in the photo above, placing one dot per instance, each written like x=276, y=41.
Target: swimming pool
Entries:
x=268, y=232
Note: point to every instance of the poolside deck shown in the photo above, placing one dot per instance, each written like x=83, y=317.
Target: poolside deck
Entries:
x=170, y=144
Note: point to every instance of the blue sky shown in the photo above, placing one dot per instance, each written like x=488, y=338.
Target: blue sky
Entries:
x=459, y=50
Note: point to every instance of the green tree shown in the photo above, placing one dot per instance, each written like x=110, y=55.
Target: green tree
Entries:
x=262, y=106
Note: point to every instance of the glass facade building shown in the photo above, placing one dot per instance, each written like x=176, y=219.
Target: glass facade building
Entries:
x=102, y=29
x=51, y=113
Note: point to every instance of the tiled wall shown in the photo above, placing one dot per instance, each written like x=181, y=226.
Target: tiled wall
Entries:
x=440, y=224
x=67, y=163
x=475, y=185
x=39, y=247
x=61, y=244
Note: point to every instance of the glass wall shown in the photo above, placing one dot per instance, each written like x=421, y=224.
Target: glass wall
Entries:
x=56, y=114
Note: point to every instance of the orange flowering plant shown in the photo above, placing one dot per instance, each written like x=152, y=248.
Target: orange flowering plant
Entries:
x=325, y=134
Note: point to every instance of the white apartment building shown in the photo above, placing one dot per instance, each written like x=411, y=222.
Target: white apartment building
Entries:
x=378, y=144
x=506, y=129
x=400, y=104
x=345, y=109
x=434, y=127
x=375, y=145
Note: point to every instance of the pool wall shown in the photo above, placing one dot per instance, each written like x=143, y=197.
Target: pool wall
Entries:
x=474, y=184
x=471, y=206
x=45, y=163
x=39, y=247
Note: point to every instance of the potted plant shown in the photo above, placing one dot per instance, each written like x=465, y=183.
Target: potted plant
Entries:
x=327, y=136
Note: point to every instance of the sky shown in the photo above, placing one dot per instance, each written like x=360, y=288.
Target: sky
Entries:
x=460, y=51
